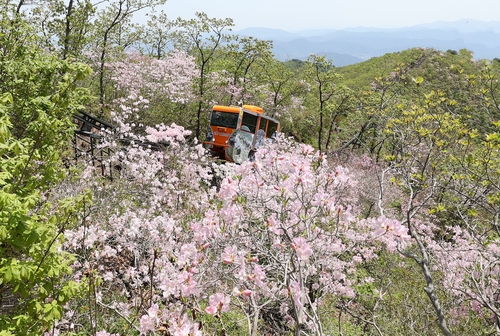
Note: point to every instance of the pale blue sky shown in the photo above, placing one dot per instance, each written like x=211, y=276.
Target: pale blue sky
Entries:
x=294, y=15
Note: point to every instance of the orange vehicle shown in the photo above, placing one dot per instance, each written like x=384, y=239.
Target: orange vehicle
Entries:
x=235, y=133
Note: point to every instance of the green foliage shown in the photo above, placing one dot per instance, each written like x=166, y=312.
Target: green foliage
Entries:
x=294, y=64
x=328, y=97
x=361, y=75
x=284, y=85
x=202, y=38
x=37, y=99
x=66, y=24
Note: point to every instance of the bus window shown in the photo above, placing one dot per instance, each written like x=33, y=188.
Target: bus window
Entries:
x=250, y=121
x=224, y=119
x=271, y=129
x=263, y=124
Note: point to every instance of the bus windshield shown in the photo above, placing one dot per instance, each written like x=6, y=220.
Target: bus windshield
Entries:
x=224, y=119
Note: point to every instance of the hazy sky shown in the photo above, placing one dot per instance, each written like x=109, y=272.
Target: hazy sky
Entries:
x=294, y=15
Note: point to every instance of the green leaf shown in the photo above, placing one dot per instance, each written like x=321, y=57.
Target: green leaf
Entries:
x=52, y=310
x=4, y=233
x=7, y=274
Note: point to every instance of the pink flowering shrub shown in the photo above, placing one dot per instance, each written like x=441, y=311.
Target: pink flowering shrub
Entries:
x=135, y=245
x=470, y=270
x=156, y=90
x=288, y=235
x=140, y=75
x=161, y=246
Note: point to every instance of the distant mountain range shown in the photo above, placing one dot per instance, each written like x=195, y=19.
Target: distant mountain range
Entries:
x=354, y=45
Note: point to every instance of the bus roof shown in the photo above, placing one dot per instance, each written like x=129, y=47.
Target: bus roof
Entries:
x=221, y=108
x=269, y=118
x=236, y=109
x=253, y=108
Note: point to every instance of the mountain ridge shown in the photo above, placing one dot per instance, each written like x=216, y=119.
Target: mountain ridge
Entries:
x=352, y=45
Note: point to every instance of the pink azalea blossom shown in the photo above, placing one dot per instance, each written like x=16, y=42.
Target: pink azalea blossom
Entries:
x=218, y=303
x=229, y=254
x=247, y=292
x=302, y=248
x=148, y=322
x=105, y=333
x=393, y=227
